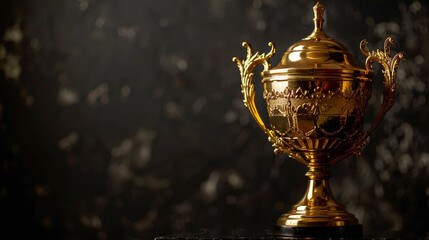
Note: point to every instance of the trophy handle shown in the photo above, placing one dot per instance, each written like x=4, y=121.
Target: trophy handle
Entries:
x=248, y=89
x=390, y=65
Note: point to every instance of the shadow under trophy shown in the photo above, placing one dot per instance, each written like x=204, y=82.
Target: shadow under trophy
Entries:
x=316, y=101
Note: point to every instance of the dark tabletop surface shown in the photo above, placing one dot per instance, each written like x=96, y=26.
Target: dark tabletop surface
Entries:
x=207, y=234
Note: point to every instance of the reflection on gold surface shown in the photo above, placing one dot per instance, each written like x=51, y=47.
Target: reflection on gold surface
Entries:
x=316, y=101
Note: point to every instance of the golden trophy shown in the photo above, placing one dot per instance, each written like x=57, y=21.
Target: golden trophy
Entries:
x=316, y=100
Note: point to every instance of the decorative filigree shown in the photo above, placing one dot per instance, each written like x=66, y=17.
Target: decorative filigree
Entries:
x=316, y=97
x=315, y=106
x=317, y=94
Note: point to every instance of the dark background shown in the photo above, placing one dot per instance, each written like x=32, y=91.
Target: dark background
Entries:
x=124, y=119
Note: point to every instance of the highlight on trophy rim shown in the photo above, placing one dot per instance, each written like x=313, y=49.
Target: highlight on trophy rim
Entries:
x=316, y=101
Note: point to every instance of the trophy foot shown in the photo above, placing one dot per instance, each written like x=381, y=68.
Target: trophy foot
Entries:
x=318, y=213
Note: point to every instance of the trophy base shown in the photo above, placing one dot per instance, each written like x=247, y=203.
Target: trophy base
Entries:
x=318, y=213
x=331, y=232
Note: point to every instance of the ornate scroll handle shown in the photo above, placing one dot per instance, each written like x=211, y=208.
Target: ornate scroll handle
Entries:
x=248, y=89
x=390, y=65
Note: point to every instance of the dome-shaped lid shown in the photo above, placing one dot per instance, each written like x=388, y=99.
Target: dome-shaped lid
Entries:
x=317, y=53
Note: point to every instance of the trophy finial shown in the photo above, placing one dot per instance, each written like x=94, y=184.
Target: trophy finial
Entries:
x=318, y=16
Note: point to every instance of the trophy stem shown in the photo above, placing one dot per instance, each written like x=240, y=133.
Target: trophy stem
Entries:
x=318, y=213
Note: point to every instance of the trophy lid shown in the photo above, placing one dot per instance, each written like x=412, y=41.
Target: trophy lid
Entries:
x=316, y=54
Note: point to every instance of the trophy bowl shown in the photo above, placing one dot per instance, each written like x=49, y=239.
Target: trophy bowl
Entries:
x=316, y=101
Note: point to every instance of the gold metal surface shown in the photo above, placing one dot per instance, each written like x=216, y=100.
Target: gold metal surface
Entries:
x=316, y=101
